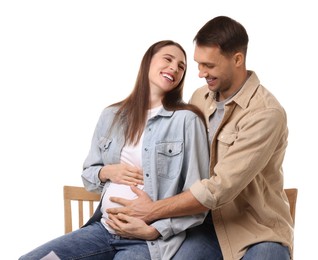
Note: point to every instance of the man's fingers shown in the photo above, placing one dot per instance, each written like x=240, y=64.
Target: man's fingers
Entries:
x=113, y=222
x=119, y=200
x=113, y=218
x=117, y=210
x=125, y=202
x=122, y=217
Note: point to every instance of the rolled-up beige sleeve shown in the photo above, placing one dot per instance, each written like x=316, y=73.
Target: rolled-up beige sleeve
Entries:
x=201, y=192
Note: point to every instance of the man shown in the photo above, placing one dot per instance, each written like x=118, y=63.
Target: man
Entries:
x=248, y=137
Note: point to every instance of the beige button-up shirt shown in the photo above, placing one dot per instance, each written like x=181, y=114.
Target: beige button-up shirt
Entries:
x=245, y=191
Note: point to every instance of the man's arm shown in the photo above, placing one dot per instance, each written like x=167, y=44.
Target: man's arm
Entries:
x=144, y=208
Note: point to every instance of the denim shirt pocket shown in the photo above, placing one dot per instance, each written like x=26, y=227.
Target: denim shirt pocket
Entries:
x=169, y=159
x=104, y=144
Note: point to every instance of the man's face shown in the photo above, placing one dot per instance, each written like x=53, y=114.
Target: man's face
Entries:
x=216, y=68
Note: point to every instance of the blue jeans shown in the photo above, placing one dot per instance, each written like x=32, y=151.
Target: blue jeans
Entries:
x=92, y=242
x=202, y=244
x=267, y=251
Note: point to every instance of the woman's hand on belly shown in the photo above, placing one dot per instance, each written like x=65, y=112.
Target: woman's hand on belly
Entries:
x=121, y=174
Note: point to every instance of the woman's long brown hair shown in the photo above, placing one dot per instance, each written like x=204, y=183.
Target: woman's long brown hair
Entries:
x=133, y=109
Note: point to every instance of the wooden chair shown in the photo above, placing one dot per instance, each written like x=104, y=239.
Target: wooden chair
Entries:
x=84, y=198
x=81, y=195
x=292, y=198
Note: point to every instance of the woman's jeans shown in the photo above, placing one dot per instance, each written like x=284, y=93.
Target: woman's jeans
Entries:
x=92, y=242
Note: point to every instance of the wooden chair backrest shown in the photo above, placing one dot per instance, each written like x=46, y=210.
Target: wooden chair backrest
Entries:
x=292, y=198
x=83, y=198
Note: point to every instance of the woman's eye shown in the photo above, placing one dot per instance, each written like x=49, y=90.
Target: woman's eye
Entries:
x=181, y=67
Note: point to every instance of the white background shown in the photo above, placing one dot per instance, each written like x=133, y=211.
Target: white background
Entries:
x=62, y=62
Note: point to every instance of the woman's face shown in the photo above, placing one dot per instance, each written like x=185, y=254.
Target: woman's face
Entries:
x=166, y=70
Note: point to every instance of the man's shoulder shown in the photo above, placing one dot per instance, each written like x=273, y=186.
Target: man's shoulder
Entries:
x=267, y=98
x=200, y=94
x=203, y=90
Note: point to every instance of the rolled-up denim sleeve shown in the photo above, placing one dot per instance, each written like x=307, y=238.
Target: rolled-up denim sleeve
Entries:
x=93, y=162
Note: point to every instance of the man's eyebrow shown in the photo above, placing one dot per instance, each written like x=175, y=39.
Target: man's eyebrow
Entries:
x=206, y=63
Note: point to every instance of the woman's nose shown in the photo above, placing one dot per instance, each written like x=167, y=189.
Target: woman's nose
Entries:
x=174, y=68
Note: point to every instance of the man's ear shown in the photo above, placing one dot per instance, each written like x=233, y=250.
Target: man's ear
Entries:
x=239, y=59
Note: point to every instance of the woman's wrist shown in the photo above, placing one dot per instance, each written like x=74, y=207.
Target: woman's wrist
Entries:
x=102, y=175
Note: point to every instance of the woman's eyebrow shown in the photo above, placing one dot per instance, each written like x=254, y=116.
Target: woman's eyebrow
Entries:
x=173, y=57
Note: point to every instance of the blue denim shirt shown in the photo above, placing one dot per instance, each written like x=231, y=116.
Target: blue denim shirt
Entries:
x=174, y=156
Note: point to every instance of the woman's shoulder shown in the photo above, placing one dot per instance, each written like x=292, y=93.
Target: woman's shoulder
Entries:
x=186, y=113
x=108, y=112
x=110, y=109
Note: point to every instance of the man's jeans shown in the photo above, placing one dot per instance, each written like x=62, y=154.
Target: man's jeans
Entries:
x=267, y=251
x=202, y=244
x=92, y=242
